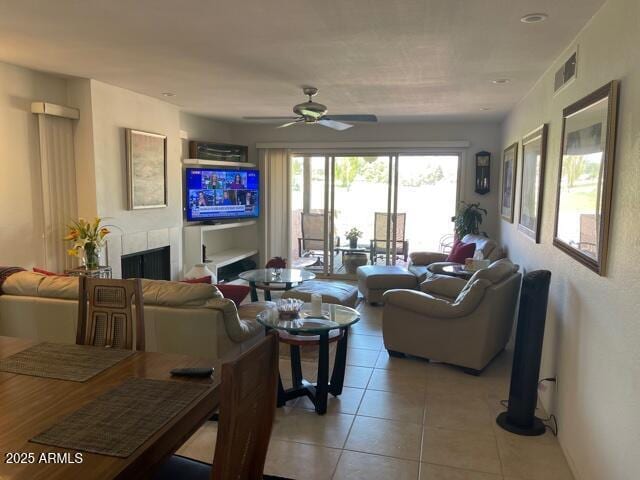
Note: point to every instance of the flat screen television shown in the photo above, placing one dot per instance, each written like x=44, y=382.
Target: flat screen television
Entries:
x=221, y=194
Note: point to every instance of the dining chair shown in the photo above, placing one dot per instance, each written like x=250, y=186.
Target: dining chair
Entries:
x=106, y=315
x=247, y=409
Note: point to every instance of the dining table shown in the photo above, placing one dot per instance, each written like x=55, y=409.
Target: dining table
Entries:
x=30, y=405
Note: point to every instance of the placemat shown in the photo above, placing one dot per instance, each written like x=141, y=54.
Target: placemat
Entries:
x=119, y=421
x=77, y=363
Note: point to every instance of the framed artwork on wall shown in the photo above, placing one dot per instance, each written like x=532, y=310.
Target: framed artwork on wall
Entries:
x=146, y=169
x=508, y=192
x=534, y=157
x=585, y=177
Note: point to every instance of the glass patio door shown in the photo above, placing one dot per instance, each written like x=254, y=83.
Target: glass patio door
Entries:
x=361, y=198
x=308, y=218
x=353, y=210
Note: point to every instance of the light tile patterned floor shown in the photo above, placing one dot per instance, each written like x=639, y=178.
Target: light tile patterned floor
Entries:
x=401, y=419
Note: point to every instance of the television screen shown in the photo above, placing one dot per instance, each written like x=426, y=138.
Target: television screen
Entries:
x=218, y=194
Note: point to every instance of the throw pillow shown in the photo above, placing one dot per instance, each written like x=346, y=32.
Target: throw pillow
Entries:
x=461, y=251
x=206, y=279
x=236, y=293
x=45, y=272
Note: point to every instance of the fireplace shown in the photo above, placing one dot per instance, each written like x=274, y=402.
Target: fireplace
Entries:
x=153, y=264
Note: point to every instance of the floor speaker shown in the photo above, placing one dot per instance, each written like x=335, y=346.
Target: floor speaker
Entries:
x=523, y=394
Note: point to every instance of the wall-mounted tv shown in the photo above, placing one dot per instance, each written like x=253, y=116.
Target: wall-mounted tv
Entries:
x=221, y=194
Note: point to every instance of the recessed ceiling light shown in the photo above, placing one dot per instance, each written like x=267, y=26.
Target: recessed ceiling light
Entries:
x=168, y=94
x=501, y=81
x=534, y=18
x=485, y=109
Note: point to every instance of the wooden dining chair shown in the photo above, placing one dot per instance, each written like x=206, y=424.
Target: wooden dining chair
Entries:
x=247, y=410
x=105, y=313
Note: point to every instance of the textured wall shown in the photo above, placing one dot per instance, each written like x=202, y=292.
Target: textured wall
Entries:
x=593, y=324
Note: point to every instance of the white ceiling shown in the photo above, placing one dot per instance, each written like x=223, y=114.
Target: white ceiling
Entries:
x=399, y=59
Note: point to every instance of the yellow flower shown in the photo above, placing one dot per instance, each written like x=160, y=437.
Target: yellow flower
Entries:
x=104, y=232
x=72, y=252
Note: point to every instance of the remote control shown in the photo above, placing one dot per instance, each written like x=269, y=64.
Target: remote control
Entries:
x=192, y=372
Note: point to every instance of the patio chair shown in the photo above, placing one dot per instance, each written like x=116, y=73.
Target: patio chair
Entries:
x=312, y=241
x=379, y=242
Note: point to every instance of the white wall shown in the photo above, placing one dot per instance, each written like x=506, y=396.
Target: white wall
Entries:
x=592, y=333
x=20, y=188
x=483, y=136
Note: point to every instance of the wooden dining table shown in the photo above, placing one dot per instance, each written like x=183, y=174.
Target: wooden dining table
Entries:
x=30, y=405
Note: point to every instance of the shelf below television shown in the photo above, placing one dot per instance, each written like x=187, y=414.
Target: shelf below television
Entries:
x=217, y=163
x=226, y=257
x=222, y=226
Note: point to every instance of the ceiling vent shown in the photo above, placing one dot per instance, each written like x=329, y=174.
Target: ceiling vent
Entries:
x=566, y=73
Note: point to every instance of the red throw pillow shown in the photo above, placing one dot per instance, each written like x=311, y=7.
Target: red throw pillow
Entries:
x=45, y=272
x=461, y=251
x=236, y=293
x=206, y=279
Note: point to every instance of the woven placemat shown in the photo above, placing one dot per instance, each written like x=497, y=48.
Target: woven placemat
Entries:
x=77, y=363
x=122, y=419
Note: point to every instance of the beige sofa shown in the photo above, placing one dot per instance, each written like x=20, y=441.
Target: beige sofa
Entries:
x=192, y=319
x=424, y=264
x=454, y=321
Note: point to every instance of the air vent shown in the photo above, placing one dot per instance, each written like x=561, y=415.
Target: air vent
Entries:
x=567, y=72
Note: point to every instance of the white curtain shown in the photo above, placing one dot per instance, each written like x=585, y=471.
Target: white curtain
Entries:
x=274, y=166
x=59, y=197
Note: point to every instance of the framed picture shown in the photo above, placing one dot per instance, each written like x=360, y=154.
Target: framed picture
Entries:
x=585, y=178
x=508, y=197
x=534, y=157
x=146, y=169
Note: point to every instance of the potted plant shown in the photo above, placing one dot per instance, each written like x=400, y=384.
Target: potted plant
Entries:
x=468, y=219
x=88, y=238
x=353, y=235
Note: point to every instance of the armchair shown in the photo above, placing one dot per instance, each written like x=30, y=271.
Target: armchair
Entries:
x=454, y=321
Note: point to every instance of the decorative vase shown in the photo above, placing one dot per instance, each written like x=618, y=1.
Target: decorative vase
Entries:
x=200, y=270
x=91, y=256
x=353, y=242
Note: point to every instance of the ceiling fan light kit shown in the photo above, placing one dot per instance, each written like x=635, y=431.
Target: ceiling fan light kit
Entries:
x=311, y=113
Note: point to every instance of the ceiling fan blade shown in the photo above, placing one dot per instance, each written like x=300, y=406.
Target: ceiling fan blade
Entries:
x=288, y=124
x=269, y=118
x=333, y=124
x=310, y=113
x=352, y=118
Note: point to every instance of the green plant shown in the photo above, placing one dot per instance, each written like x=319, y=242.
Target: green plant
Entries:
x=468, y=219
x=353, y=234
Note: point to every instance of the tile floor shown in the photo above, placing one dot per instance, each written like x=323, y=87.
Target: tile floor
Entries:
x=401, y=419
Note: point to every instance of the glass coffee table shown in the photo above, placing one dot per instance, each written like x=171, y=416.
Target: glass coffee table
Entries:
x=332, y=325
x=268, y=279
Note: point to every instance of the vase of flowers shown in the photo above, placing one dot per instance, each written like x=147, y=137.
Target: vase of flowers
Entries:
x=353, y=235
x=88, y=239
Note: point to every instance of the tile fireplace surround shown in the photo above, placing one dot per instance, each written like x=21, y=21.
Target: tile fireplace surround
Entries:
x=119, y=244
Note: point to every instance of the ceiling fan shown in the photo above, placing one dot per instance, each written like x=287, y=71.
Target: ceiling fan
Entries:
x=311, y=112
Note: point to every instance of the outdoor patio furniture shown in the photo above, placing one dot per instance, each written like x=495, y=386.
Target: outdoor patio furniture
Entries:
x=312, y=241
x=379, y=242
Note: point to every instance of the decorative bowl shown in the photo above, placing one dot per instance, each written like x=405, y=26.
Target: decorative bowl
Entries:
x=289, y=308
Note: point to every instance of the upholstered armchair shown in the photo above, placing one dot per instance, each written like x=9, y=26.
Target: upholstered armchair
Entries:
x=425, y=264
x=452, y=320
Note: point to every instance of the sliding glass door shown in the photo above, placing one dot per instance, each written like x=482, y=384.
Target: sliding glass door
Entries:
x=353, y=210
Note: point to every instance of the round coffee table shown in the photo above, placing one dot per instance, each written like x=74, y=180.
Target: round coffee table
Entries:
x=321, y=331
x=457, y=271
x=283, y=278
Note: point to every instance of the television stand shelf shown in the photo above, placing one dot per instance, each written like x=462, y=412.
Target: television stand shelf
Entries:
x=225, y=243
x=226, y=257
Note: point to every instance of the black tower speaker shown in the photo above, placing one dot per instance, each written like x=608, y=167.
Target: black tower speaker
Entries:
x=523, y=394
